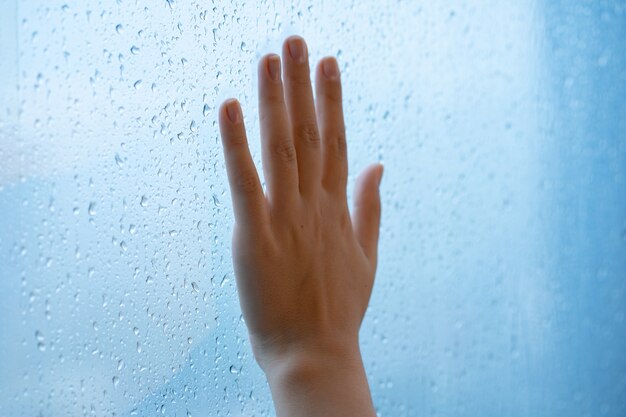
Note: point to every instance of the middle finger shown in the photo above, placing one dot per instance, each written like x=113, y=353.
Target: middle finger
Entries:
x=301, y=109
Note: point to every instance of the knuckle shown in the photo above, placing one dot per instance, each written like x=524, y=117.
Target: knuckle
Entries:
x=285, y=150
x=337, y=144
x=237, y=140
x=307, y=132
x=371, y=206
x=377, y=207
x=273, y=97
x=333, y=94
x=374, y=206
x=300, y=78
x=246, y=182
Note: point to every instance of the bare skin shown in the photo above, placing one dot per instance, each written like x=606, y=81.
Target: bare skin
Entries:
x=304, y=266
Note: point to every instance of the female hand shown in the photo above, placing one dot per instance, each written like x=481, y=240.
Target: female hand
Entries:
x=304, y=267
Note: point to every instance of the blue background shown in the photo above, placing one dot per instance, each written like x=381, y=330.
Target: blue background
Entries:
x=501, y=288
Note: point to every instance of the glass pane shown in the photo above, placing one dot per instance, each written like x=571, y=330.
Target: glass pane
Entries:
x=502, y=278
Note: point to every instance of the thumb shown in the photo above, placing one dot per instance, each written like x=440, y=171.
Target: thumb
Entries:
x=366, y=213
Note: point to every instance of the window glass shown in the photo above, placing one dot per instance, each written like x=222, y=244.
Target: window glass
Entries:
x=502, y=276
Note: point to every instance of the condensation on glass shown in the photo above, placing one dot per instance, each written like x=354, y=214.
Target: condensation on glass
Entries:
x=502, y=280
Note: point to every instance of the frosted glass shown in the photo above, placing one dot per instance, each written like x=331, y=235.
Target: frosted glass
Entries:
x=501, y=288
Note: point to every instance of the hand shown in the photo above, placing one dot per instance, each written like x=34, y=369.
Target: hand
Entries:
x=304, y=268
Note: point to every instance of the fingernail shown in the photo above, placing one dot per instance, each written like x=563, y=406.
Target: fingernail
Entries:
x=330, y=69
x=273, y=67
x=296, y=49
x=380, y=176
x=232, y=110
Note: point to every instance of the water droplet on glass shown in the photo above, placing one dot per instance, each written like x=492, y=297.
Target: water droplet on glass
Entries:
x=134, y=50
x=40, y=341
x=119, y=29
x=118, y=161
x=92, y=209
x=224, y=280
x=116, y=381
x=144, y=201
x=195, y=287
x=205, y=110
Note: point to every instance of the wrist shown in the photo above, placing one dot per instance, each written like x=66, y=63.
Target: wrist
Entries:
x=281, y=355
x=331, y=382
x=305, y=365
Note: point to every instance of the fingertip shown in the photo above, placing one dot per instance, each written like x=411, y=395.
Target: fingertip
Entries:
x=329, y=68
x=368, y=181
x=292, y=37
x=296, y=48
x=230, y=111
x=270, y=66
x=328, y=85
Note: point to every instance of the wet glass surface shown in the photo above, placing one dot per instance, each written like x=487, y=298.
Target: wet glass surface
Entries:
x=501, y=288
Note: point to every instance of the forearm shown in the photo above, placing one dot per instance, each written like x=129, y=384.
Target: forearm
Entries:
x=328, y=387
